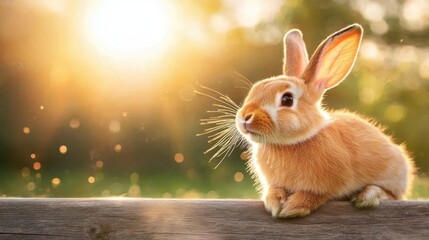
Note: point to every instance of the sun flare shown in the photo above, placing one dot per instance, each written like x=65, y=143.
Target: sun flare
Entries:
x=131, y=27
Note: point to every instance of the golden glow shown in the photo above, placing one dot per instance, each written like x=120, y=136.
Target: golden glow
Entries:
x=128, y=27
x=114, y=126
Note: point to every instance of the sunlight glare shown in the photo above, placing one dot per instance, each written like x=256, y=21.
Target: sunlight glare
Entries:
x=123, y=28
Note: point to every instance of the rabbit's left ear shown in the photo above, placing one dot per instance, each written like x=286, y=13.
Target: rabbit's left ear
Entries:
x=333, y=59
x=295, y=54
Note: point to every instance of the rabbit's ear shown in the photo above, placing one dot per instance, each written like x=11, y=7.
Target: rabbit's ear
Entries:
x=295, y=54
x=333, y=59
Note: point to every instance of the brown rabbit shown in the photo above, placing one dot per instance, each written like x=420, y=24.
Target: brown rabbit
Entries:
x=304, y=155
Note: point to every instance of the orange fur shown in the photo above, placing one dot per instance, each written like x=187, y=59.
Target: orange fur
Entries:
x=304, y=156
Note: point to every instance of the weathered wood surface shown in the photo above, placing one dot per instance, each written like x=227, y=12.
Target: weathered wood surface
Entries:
x=203, y=219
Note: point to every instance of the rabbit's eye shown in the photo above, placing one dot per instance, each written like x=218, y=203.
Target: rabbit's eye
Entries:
x=287, y=100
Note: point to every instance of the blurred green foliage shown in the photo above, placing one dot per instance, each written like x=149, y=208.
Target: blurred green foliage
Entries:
x=124, y=122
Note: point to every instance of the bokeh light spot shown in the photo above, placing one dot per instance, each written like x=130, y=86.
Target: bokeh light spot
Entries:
x=368, y=95
x=370, y=50
x=91, y=179
x=99, y=164
x=31, y=186
x=179, y=158
x=134, y=191
x=373, y=11
x=37, y=166
x=114, y=126
x=55, y=182
x=74, y=123
x=117, y=148
x=25, y=172
x=245, y=156
x=134, y=178
x=26, y=130
x=105, y=193
x=33, y=156
x=395, y=112
x=63, y=149
x=238, y=177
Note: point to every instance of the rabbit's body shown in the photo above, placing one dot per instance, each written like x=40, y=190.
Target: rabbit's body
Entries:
x=304, y=155
x=340, y=160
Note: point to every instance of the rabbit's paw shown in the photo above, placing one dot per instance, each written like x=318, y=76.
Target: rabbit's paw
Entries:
x=369, y=197
x=274, y=198
x=291, y=211
x=300, y=204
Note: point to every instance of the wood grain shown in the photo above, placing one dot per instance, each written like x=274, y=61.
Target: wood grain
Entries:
x=204, y=219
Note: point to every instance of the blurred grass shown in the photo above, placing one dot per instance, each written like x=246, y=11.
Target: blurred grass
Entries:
x=157, y=186
x=420, y=188
x=168, y=185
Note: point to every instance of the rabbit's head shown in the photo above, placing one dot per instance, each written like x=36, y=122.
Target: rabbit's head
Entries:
x=286, y=109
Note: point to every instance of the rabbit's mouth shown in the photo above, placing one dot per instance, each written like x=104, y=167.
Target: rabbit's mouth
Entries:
x=252, y=133
x=247, y=130
x=254, y=136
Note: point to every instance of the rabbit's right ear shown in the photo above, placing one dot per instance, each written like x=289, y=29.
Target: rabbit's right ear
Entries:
x=295, y=54
x=333, y=59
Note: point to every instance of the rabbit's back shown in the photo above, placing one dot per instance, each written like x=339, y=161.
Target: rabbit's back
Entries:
x=377, y=159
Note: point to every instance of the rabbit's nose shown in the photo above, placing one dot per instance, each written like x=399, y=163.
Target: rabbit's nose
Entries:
x=248, y=118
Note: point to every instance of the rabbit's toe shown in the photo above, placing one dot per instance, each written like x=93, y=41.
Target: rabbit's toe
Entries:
x=274, y=200
x=369, y=197
x=300, y=204
x=290, y=211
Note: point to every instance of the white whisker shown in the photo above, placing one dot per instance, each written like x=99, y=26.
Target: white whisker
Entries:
x=244, y=79
x=221, y=131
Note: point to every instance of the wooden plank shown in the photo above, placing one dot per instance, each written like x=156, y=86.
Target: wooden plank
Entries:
x=203, y=219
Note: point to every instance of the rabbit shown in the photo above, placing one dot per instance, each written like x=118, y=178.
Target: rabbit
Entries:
x=304, y=155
